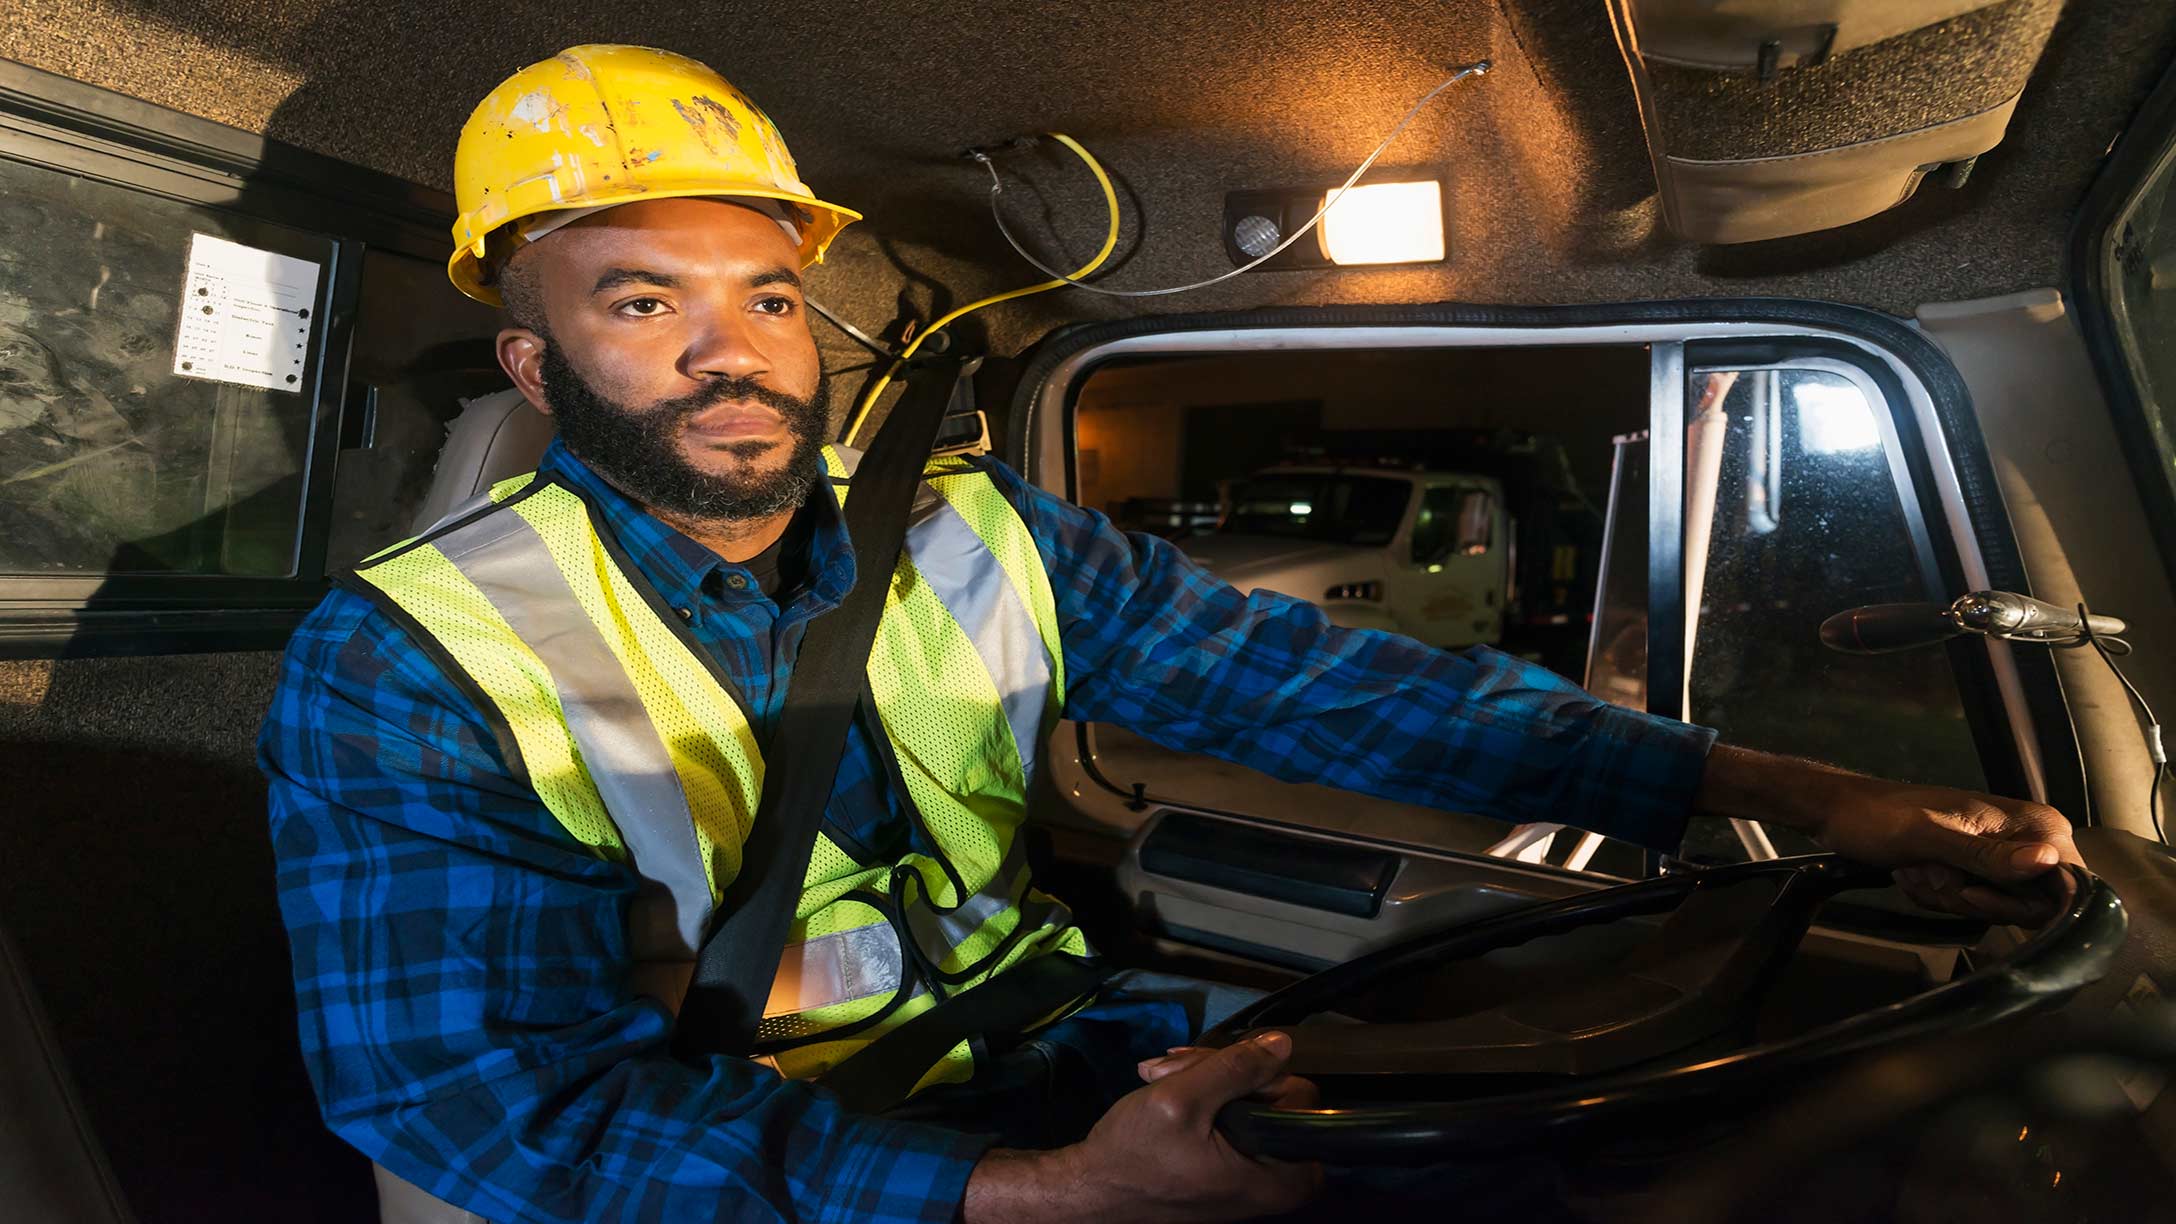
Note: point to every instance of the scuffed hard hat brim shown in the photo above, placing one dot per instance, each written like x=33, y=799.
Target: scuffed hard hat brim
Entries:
x=467, y=271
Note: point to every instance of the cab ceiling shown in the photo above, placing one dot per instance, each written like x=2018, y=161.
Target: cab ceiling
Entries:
x=1551, y=197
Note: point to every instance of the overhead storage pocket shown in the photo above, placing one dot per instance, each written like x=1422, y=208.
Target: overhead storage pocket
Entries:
x=1767, y=118
x=1734, y=35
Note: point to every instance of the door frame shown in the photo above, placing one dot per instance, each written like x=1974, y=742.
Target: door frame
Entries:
x=1953, y=502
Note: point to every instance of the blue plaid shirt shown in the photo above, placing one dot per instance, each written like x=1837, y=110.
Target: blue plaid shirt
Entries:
x=460, y=960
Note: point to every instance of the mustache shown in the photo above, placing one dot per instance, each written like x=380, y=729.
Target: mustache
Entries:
x=720, y=389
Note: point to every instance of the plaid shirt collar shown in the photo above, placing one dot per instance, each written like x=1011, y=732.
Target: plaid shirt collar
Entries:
x=683, y=570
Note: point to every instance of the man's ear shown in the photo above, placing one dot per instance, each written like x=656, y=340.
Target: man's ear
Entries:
x=521, y=355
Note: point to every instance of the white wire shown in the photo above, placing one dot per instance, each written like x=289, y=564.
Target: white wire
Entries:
x=867, y=341
x=997, y=187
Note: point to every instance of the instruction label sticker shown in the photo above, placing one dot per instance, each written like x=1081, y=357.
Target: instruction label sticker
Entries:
x=245, y=315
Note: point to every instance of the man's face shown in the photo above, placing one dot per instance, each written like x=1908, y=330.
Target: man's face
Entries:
x=677, y=359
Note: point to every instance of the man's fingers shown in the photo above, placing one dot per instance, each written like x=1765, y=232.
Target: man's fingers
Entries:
x=2000, y=906
x=2064, y=892
x=1989, y=858
x=1939, y=888
x=1179, y=1059
x=1287, y=1185
x=1284, y=1092
x=1239, y=1070
x=1947, y=890
x=1915, y=890
x=1290, y=1092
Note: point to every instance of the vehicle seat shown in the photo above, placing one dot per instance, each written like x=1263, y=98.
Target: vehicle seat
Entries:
x=496, y=436
x=52, y=1167
x=401, y=1202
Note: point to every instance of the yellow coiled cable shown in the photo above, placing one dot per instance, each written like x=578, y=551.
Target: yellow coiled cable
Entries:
x=1110, y=243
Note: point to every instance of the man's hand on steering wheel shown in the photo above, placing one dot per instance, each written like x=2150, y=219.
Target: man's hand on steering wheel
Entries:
x=1157, y=1155
x=1950, y=850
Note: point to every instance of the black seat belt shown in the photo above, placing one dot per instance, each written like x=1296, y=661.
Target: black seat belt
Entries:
x=739, y=957
x=882, y=1073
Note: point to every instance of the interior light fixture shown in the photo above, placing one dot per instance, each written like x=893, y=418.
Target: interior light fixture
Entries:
x=1385, y=223
x=1371, y=224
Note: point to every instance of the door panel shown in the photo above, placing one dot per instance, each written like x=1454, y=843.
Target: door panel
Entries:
x=1302, y=899
x=1198, y=839
x=138, y=886
x=1108, y=779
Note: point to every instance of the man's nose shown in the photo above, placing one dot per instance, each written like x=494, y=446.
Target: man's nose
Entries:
x=727, y=347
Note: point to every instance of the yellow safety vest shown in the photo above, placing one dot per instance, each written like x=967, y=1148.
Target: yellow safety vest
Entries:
x=633, y=740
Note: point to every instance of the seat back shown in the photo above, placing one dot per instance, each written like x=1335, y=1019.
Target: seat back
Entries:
x=496, y=436
x=401, y=1202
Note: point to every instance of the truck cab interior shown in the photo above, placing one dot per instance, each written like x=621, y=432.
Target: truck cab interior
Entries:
x=1747, y=315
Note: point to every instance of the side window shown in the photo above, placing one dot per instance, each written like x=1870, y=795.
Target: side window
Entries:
x=226, y=369
x=1476, y=513
x=1793, y=511
x=1432, y=525
x=411, y=370
x=1452, y=522
x=132, y=442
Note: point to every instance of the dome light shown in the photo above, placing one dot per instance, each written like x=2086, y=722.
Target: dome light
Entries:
x=1386, y=223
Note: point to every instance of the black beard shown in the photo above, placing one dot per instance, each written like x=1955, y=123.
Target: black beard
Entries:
x=638, y=449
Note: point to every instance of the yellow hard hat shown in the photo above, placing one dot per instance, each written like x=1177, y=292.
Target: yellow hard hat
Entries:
x=605, y=124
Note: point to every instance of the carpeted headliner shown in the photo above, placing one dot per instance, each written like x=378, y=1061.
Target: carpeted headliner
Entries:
x=1551, y=193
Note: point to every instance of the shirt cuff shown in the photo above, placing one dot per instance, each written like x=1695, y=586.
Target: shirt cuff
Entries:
x=1638, y=776
x=902, y=1172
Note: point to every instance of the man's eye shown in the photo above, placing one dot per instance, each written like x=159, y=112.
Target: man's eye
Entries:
x=776, y=305
x=643, y=308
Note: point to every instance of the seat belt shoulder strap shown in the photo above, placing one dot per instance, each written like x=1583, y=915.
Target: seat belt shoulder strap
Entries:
x=739, y=957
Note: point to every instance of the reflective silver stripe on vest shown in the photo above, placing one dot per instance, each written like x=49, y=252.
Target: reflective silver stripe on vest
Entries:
x=971, y=583
x=967, y=578
x=509, y=562
x=469, y=506
x=836, y=968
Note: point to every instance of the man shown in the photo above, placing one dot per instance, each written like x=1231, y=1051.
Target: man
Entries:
x=491, y=745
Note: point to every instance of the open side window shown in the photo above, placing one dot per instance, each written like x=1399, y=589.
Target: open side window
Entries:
x=1798, y=500
x=1773, y=471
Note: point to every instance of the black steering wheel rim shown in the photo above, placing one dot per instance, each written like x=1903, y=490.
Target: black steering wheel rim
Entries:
x=2068, y=952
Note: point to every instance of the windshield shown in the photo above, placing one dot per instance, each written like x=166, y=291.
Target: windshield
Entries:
x=1359, y=510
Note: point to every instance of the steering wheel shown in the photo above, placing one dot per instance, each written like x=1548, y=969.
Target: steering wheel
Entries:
x=1656, y=1031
